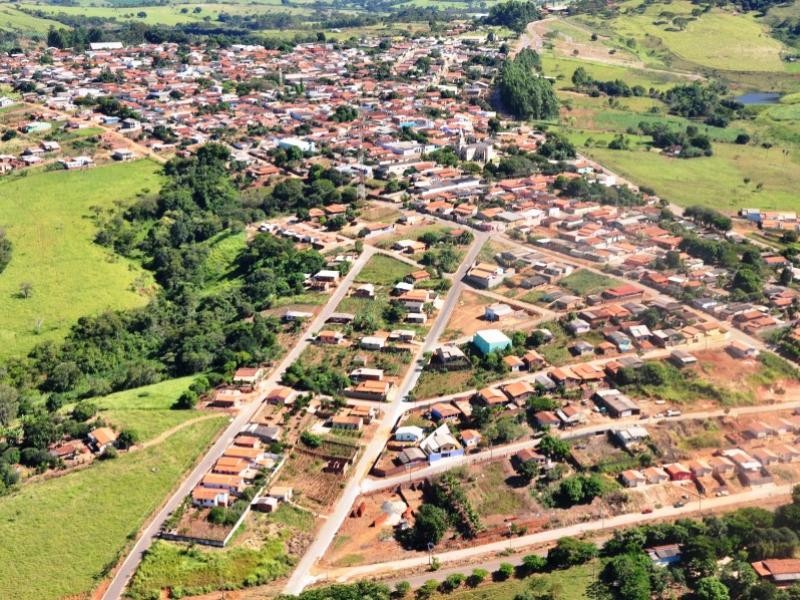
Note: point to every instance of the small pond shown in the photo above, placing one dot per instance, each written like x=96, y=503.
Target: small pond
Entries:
x=759, y=98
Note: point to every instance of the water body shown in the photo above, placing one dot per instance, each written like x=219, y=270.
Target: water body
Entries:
x=759, y=98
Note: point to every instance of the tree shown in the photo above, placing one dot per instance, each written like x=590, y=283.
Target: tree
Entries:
x=402, y=588
x=711, y=588
x=127, y=439
x=504, y=571
x=25, y=289
x=186, y=401
x=569, y=552
x=554, y=448
x=427, y=590
x=477, y=577
x=525, y=93
x=453, y=581
x=533, y=563
x=6, y=248
x=84, y=410
x=430, y=525
x=9, y=404
x=786, y=277
x=528, y=470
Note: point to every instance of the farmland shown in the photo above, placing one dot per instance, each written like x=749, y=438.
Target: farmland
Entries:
x=47, y=218
x=14, y=20
x=96, y=509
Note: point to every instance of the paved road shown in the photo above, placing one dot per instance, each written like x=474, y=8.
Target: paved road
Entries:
x=131, y=562
x=375, y=484
x=301, y=576
x=544, y=537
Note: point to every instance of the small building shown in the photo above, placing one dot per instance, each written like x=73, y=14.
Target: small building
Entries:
x=330, y=337
x=248, y=375
x=442, y=412
x=681, y=359
x=450, y=357
x=739, y=349
x=441, y=444
x=373, y=342
x=632, y=478
x=497, y=311
x=678, y=472
x=208, y=497
x=280, y=395
x=101, y=438
x=547, y=419
x=409, y=433
x=471, y=438
x=666, y=555
x=347, y=423
x=780, y=571
x=578, y=327
x=490, y=340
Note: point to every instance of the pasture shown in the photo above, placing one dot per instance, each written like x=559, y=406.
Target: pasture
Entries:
x=97, y=510
x=14, y=20
x=47, y=216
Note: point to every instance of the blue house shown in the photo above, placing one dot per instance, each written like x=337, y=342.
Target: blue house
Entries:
x=490, y=340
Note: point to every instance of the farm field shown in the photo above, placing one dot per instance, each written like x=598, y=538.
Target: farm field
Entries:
x=97, y=510
x=46, y=216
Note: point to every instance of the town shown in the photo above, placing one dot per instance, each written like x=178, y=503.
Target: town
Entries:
x=444, y=340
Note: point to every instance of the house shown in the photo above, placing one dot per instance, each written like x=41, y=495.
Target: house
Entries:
x=411, y=456
x=616, y=403
x=370, y=389
x=450, y=357
x=366, y=374
x=123, y=154
x=209, y=497
x=739, y=349
x=655, y=475
x=247, y=375
x=581, y=348
x=721, y=465
x=527, y=455
x=514, y=363
x=409, y=433
x=442, y=412
x=325, y=278
x=280, y=395
x=678, y=472
x=485, y=275
x=681, y=359
x=497, y=311
x=578, y=327
x=229, y=483
x=441, y=444
x=67, y=450
x=347, y=423
x=780, y=571
x=226, y=398
x=281, y=493
x=547, y=419
x=373, y=342
x=330, y=337
x=620, y=340
x=570, y=415
x=491, y=397
x=632, y=478
x=665, y=555
x=101, y=438
x=490, y=340
x=266, y=433
x=227, y=465
x=341, y=318
x=470, y=438
x=533, y=360
x=365, y=290
x=699, y=468
x=518, y=391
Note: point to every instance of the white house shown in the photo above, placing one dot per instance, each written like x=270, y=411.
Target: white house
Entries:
x=409, y=433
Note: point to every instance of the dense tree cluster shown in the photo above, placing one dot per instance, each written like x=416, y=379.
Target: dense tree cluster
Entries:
x=524, y=91
x=615, y=195
x=515, y=14
x=6, y=249
x=686, y=144
x=699, y=101
x=585, y=83
x=708, y=217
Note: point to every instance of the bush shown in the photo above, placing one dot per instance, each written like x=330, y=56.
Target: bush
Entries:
x=311, y=440
x=109, y=453
x=477, y=577
x=503, y=572
x=127, y=438
x=84, y=410
x=186, y=401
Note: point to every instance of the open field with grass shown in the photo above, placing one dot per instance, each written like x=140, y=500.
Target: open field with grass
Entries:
x=96, y=510
x=47, y=218
x=165, y=15
x=12, y=19
x=383, y=270
x=570, y=584
x=147, y=409
x=734, y=177
x=583, y=282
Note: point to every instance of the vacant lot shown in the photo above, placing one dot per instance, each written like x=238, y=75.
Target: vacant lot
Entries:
x=96, y=510
x=384, y=270
x=583, y=282
x=47, y=218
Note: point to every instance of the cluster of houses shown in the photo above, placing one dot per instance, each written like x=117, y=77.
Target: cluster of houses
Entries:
x=766, y=447
x=97, y=441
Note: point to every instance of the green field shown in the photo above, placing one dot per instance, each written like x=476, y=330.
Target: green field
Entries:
x=47, y=217
x=165, y=15
x=60, y=536
x=147, y=409
x=570, y=584
x=583, y=282
x=15, y=20
x=667, y=35
x=383, y=270
x=718, y=181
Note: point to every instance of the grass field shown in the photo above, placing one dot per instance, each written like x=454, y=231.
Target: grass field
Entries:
x=570, y=584
x=383, y=270
x=12, y=19
x=727, y=181
x=198, y=569
x=583, y=282
x=47, y=218
x=147, y=409
x=667, y=34
x=60, y=536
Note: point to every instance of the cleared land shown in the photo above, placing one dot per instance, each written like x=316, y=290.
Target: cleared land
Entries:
x=97, y=509
x=47, y=218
